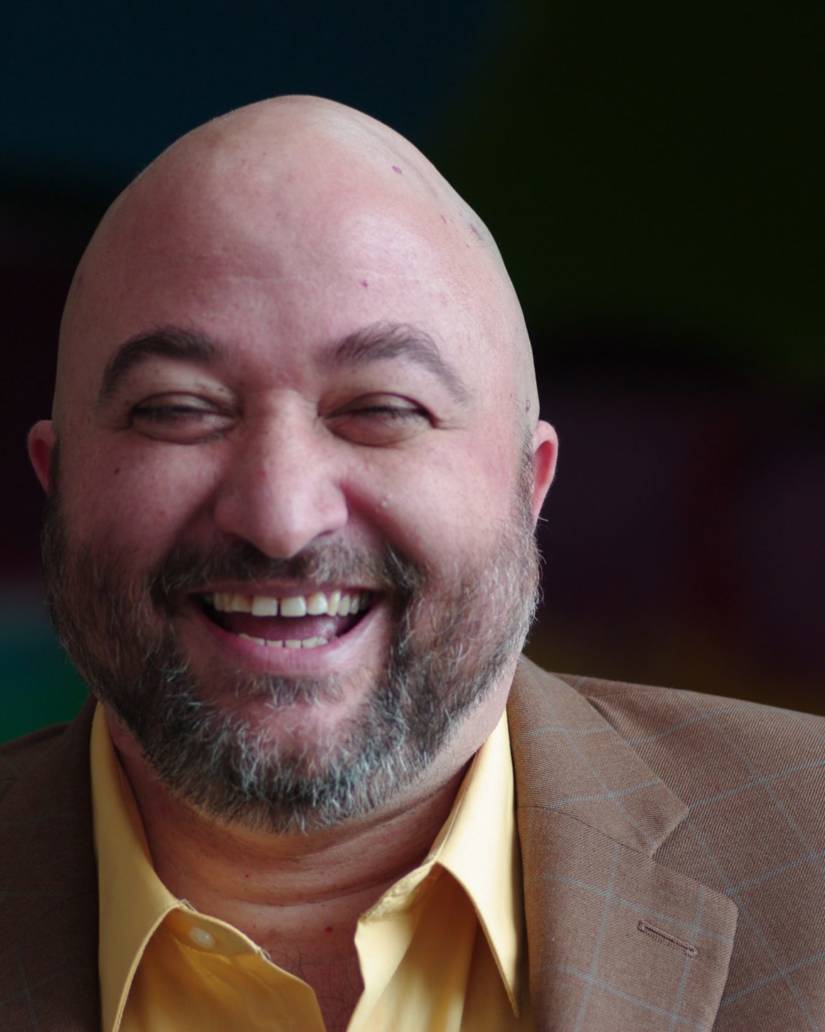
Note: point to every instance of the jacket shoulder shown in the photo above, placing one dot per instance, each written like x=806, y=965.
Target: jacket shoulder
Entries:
x=642, y=711
x=720, y=755
x=19, y=755
x=49, y=897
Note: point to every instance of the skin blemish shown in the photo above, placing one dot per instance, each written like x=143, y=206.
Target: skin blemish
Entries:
x=395, y=168
x=444, y=219
x=475, y=231
x=328, y=929
x=364, y=284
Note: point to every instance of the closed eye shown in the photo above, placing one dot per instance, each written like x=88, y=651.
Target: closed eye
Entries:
x=389, y=412
x=180, y=419
x=380, y=422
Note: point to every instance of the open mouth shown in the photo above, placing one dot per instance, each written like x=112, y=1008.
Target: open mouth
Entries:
x=288, y=621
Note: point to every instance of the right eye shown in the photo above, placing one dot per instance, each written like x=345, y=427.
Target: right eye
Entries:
x=180, y=419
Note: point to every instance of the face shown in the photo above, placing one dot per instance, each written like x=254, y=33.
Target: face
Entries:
x=292, y=545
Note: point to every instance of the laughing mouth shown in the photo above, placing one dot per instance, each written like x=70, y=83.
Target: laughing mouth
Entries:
x=288, y=621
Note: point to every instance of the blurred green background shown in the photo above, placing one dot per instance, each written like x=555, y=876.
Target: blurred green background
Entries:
x=653, y=176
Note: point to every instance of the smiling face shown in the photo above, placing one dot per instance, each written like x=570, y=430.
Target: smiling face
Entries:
x=294, y=491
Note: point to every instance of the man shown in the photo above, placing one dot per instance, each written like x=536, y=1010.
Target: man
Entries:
x=293, y=471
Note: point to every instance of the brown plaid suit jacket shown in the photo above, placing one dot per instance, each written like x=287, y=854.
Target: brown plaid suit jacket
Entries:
x=649, y=820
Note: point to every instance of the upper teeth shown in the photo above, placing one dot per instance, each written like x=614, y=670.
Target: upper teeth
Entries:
x=335, y=603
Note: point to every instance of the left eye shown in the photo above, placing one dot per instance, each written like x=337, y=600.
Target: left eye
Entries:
x=390, y=412
x=379, y=422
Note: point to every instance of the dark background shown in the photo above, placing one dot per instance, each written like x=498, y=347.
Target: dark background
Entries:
x=654, y=178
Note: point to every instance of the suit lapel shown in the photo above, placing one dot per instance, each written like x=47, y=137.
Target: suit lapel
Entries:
x=48, y=884
x=616, y=941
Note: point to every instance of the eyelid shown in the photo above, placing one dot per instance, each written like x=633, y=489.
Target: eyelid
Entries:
x=380, y=400
x=180, y=400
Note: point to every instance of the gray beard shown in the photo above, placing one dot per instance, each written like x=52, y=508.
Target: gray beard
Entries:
x=120, y=635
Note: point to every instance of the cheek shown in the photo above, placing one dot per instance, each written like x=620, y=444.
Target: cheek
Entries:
x=134, y=498
x=450, y=501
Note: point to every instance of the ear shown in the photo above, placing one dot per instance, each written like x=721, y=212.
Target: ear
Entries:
x=42, y=440
x=545, y=453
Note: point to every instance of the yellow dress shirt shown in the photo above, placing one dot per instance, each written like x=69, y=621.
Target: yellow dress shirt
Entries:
x=443, y=950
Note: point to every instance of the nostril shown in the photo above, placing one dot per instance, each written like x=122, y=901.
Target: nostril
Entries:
x=278, y=509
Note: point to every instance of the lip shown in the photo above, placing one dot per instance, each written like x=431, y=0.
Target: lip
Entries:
x=334, y=657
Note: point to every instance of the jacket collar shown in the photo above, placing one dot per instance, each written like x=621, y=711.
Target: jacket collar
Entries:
x=616, y=940
x=581, y=767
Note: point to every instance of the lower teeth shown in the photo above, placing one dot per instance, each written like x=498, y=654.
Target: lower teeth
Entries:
x=290, y=643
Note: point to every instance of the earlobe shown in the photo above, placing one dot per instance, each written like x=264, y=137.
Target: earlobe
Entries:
x=545, y=453
x=41, y=442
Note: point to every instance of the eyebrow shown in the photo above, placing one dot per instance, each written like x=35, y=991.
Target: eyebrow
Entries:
x=374, y=343
x=165, y=342
x=381, y=341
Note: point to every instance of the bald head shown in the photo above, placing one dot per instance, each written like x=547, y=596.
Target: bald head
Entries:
x=312, y=174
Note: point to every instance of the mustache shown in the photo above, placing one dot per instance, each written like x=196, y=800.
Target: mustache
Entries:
x=188, y=568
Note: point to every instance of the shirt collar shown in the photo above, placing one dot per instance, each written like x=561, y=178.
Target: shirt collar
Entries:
x=478, y=845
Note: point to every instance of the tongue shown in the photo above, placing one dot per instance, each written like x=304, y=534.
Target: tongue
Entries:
x=281, y=628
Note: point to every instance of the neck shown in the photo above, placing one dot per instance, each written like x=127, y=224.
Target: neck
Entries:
x=272, y=886
x=304, y=889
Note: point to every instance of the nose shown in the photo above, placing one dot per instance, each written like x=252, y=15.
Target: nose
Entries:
x=280, y=489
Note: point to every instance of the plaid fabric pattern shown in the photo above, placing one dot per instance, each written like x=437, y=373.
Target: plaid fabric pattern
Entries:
x=674, y=855
x=673, y=847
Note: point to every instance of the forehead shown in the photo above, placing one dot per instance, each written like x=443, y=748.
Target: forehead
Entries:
x=273, y=261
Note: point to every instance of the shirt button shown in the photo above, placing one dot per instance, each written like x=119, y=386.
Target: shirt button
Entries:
x=200, y=937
